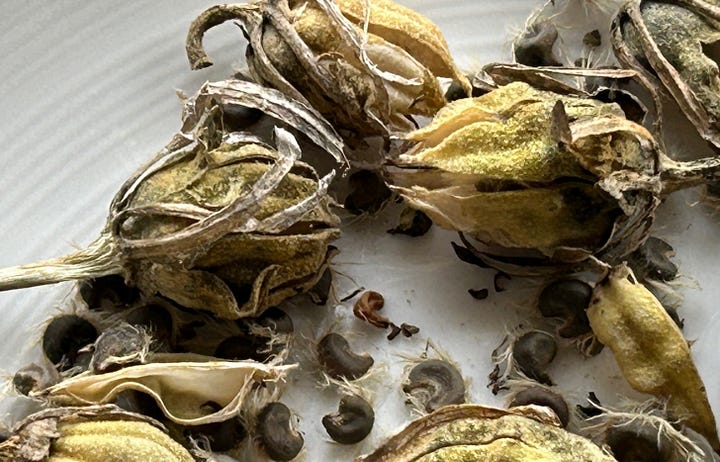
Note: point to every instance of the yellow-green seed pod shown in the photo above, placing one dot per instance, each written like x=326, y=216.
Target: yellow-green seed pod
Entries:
x=127, y=441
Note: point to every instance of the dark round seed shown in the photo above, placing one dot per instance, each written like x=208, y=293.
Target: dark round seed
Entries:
x=567, y=299
x=339, y=361
x=276, y=320
x=64, y=336
x=535, y=46
x=435, y=383
x=352, y=422
x=33, y=378
x=157, y=321
x=140, y=403
x=237, y=117
x=543, y=397
x=455, y=92
x=368, y=192
x=533, y=352
x=276, y=433
x=243, y=346
x=223, y=436
x=629, y=446
x=107, y=293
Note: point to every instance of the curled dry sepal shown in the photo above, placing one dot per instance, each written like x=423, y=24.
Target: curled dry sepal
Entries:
x=542, y=174
x=365, y=66
x=474, y=432
x=650, y=349
x=91, y=434
x=216, y=221
x=672, y=46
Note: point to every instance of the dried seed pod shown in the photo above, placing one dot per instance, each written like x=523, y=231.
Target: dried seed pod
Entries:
x=567, y=299
x=33, y=378
x=365, y=82
x=275, y=429
x=535, y=46
x=542, y=396
x=227, y=383
x=339, y=361
x=367, y=307
x=91, y=434
x=671, y=46
x=65, y=336
x=488, y=166
x=119, y=347
x=650, y=349
x=352, y=422
x=216, y=221
x=472, y=432
x=434, y=383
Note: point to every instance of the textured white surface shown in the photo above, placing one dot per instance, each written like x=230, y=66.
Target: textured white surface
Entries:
x=87, y=93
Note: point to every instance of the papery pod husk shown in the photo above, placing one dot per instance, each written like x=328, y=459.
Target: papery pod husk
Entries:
x=217, y=221
x=650, y=349
x=91, y=434
x=181, y=388
x=664, y=42
x=528, y=170
x=473, y=432
x=366, y=83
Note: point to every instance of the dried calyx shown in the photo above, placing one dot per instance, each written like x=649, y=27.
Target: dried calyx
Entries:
x=364, y=66
x=90, y=434
x=673, y=46
x=473, y=432
x=545, y=176
x=218, y=220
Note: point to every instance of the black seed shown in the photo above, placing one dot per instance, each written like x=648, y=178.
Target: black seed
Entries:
x=274, y=429
x=629, y=446
x=590, y=410
x=320, y=292
x=535, y=47
x=543, y=397
x=652, y=261
x=157, y=321
x=592, y=39
x=455, y=92
x=223, y=436
x=369, y=192
x=276, y=320
x=118, y=347
x=140, y=403
x=567, y=299
x=501, y=281
x=237, y=117
x=413, y=223
x=533, y=352
x=64, y=336
x=243, y=346
x=394, y=331
x=107, y=293
x=479, y=294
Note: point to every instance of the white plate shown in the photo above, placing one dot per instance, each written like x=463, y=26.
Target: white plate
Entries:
x=87, y=93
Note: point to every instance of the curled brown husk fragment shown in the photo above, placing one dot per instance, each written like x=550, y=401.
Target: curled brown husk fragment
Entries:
x=91, y=434
x=650, y=349
x=671, y=45
x=473, y=432
x=216, y=221
x=365, y=69
x=542, y=174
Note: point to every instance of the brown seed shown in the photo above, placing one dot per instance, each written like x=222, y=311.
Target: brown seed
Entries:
x=408, y=330
x=367, y=307
x=339, y=361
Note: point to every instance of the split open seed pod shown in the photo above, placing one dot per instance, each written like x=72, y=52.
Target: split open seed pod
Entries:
x=673, y=45
x=473, y=432
x=650, y=349
x=216, y=221
x=91, y=434
x=363, y=65
x=182, y=388
x=542, y=174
